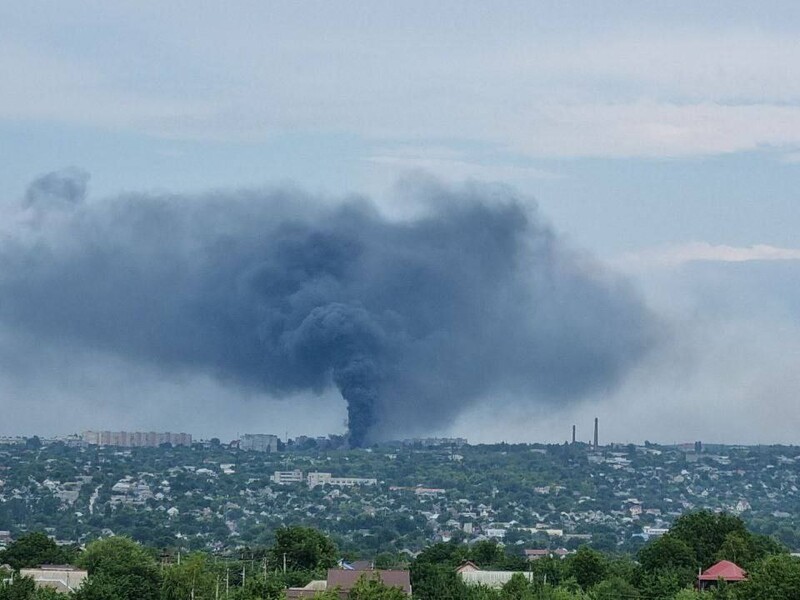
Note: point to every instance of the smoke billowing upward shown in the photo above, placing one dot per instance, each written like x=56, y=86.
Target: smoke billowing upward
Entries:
x=411, y=320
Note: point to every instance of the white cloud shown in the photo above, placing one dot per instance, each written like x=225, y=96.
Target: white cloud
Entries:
x=458, y=169
x=678, y=254
x=623, y=89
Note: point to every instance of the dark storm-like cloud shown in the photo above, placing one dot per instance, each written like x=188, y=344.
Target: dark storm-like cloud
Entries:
x=413, y=320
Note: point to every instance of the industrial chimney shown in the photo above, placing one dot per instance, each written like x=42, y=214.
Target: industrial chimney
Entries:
x=573, y=434
x=595, y=432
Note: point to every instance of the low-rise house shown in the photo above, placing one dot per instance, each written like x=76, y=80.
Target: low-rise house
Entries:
x=471, y=574
x=343, y=581
x=724, y=570
x=61, y=578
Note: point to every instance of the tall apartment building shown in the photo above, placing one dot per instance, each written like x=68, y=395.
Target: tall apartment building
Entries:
x=259, y=442
x=136, y=439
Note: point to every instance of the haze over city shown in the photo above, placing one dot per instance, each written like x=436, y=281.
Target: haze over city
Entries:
x=457, y=219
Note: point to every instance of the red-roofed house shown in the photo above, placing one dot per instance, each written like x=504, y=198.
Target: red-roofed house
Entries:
x=724, y=570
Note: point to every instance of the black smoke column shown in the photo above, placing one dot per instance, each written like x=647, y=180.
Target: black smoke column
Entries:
x=413, y=321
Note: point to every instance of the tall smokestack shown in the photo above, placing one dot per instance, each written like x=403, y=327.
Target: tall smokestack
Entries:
x=573, y=434
x=595, y=432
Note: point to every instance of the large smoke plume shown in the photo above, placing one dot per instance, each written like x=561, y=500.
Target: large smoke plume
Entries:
x=412, y=320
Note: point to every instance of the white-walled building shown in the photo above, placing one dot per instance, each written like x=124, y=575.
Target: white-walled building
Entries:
x=315, y=479
x=61, y=578
x=284, y=477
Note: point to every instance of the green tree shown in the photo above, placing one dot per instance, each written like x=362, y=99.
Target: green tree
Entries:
x=747, y=550
x=193, y=578
x=667, y=552
x=372, y=588
x=614, y=588
x=737, y=549
x=327, y=595
x=516, y=588
x=436, y=582
x=21, y=588
x=34, y=549
x=304, y=549
x=705, y=532
x=486, y=553
x=688, y=594
x=775, y=578
x=443, y=554
x=119, y=569
x=588, y=567
x=664, y=583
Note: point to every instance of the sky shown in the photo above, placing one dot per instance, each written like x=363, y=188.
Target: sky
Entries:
x=661, y=139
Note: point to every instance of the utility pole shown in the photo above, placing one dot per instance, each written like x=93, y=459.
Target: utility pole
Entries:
x=227, y=580
x=216, y=593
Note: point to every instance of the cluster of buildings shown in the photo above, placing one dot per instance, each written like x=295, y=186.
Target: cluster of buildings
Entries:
x=135, y=439
x=436, y=442
x=315, y=478
x=549, y=498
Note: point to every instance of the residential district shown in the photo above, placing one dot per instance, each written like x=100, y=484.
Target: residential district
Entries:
x=396, y=497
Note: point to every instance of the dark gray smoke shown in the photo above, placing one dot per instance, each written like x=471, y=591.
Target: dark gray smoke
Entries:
x=411, y=320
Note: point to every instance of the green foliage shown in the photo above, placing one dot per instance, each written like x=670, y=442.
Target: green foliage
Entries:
x=119, y=569
x=667, y=552
x=22, y=588
x=193, y=578
x=327, y=595
x=431, y=581
x=775, y=578
x=446, y=554
x=304, y=548
x=688, y=594
x=256, y=588
x=588, y=567
x=705, y=533
x=34, y=549
x=371, y=588
x=486, y=553
x=664, y=583
x=517, y=588
x=614, y=588
x=746, y=550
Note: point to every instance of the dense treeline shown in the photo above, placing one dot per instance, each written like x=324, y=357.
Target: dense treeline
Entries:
x=665, y=569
